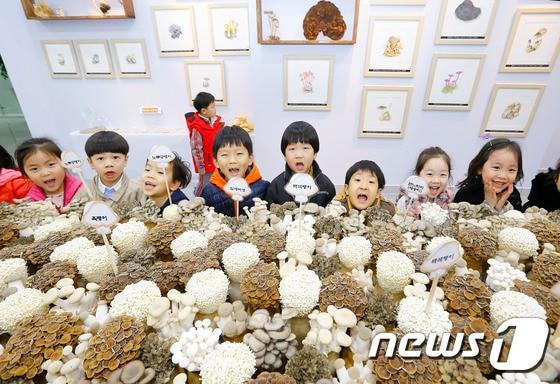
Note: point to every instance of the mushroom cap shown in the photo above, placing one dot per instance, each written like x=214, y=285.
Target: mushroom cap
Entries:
x=345, y=318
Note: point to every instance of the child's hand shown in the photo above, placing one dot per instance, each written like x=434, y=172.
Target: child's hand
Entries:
x=503, y=196
x=496, y=200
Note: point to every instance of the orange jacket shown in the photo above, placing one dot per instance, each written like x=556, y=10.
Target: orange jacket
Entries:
x=13, y=185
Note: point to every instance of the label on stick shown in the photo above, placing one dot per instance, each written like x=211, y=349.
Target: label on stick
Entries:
x=162, y=155
x=302, y=187
x=71, y=160
x=443, y=258
x=237, y=188
x=415, y=186
x=99, y=214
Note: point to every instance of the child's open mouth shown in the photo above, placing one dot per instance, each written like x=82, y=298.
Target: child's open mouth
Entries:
x=110, y=174
x=300, y=167
x=149, y=186
x=362, y=198
x=50, y=183
x=434, y=190
x=233, y=172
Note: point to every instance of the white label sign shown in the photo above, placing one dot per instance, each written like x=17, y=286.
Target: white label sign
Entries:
x=71, y=160
x=443, y=257
x=162, y=155
x=237, y=188
x=302, y=187
x=415, y=186
x=99, y=214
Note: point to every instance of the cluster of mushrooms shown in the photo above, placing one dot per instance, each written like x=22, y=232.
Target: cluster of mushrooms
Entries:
x=281, y=294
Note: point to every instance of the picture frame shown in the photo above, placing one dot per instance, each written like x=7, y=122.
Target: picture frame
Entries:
x=453, y=81
x=390, y=54
x=277, y=25
x=397, y=2
x=175, y=30
x=61, y=59
x=229, y=29
x=464, y=22
x=95, y=59
x=207, y=76
x=308, y=82
x=534, y=40
x=511, y=109
x=384, y=111
x=131, y=58
x=79, y=10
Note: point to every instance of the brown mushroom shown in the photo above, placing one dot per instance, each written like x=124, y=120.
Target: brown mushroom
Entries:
x=259, y=285
x=324, y=17
x=342, y=291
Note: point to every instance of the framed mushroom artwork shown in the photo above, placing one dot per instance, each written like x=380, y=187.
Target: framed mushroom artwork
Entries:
x=206, y=76
x=307, y=21
x=393, y=44
x=61, y=59
x=175, y=30
x=384, y=111
x=453, y=81
x=229, y=27
x=95, y=59
x=308, y=82
x=511, y=109
x=131, y=58
x=466, y=21
x=534, y=40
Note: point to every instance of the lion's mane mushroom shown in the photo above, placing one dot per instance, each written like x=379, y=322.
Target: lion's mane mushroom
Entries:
x=394, y=270
x=232, y=319
x=342, y=291
x=194, y=345
x=129, y=236
x=13, y=274
x=506, y=305
x=329, y=330
x=272, y=339
x=270, y=243
x=135, y=300
x=187, y=242
x=238, y=258
x=300, y=291
x=70, y=250
x=39, y=337
x=229, y=363
x=51, y=273
x=297, y=242
x=260, y=284
x=354, y=251
x=117, y=342
x=163, y=234
x=19, y=306
x=518, y=242
x=60, y=224
x=412, y=317
x=210, y=289
x=467, y=295
x=94, y=263
x=308, y=365
x=111, y=285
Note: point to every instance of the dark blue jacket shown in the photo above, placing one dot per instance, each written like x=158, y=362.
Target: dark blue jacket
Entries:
x=176, y=196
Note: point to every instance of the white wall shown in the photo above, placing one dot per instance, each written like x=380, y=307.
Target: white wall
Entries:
x=254, y=86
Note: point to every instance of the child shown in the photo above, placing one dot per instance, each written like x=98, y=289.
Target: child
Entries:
x=12, y=184
x=300, y=145
x=107, y=153
x=203, y=126
x=363, y=185
x=232, y=153
x=545, y=190
x=153, y=182
x=491, y=176
x=434, y=166
x=39, y=160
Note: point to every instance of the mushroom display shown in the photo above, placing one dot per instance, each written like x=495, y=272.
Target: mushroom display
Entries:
x=229, y=363
x=342, y=291
x=300, y=291
x=260, y=284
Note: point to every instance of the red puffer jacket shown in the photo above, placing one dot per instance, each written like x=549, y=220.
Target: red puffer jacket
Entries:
x=13, y=185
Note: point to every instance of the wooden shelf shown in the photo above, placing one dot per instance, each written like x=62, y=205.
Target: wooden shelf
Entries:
x=127, y=5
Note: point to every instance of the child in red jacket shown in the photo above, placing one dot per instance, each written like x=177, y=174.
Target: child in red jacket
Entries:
x=12, y=183
x=203, y=126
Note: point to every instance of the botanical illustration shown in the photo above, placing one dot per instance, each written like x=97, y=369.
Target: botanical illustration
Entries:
x=95, y=59
x=393, y=47
x=206, y=82
x=511, y=111
x=61, y=60
x=467, y=11
x=324, y=17
x=274, y=25
x=230, y=29
x=307, y=78
x=175, y=31
x=131, y=58
x=535, y=42
x=451, y=82
x=384, y=112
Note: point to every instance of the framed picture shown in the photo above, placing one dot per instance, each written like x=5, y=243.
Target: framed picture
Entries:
x=206, y=76
x=511, y=109
x=307, y=21
x=78, y=10
x=175, y=30
x=131, y=57
x=397, y=2
x=229, y=26
x=308, y=82
x=393, y=44
x=466, y=21
x=61, y=59
x=453, y=81
x=384, y=111
x=95, y=59
x=534, y=40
